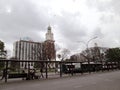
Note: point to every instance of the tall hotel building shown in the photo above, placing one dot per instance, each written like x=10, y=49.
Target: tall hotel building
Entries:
x=29, y=50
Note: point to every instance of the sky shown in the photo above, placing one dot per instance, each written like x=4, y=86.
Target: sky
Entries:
x=73, y=22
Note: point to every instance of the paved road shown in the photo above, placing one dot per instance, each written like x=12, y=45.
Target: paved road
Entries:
x=98, y=81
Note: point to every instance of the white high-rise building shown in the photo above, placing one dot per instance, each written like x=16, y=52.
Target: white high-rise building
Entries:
x=28, y=50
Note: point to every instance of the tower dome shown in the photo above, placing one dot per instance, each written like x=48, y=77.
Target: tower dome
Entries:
x=49, y=27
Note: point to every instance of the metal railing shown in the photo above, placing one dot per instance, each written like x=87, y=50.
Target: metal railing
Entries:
x=59, y=67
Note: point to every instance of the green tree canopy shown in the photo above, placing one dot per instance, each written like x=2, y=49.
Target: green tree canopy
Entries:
x=113, y=54
x=1, y=46
x=2, y=54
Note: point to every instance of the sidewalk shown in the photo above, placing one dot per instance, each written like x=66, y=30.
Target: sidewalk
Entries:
x=51, y=76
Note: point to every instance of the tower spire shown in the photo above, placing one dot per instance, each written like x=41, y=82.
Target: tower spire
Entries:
x=49, y=34
x=49, y=27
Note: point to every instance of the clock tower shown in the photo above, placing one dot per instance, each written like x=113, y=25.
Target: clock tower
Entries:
x=49, y=34
x=49, y=46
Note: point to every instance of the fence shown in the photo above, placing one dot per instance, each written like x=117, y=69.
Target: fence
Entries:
x=13, y=68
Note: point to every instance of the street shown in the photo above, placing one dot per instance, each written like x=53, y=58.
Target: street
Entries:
x=94, y=81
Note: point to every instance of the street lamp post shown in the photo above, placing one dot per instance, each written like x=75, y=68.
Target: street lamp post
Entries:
x=88, y=59
x=86, y=44
x=88, y=47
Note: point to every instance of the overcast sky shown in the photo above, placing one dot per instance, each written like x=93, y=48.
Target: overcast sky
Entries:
x=71, y=21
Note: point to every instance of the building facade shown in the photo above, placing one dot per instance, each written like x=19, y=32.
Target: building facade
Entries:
x=49, y=46
x=29, y=50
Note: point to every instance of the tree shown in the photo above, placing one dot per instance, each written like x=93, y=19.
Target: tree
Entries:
x=13, y=64
x=93, y=54
x=38, y=54
x=64, y=54
x=113, y=54
x=73, y=58
x=2, y=64
x=49, y=50
x=1, y=46
x=3, y=54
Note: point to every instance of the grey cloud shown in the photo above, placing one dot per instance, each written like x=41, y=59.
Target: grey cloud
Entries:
x=24, y=19
x=100, y=5
x=115, y=4
x=106, y=5
x=23, y=15
x=28, y=20
x=98, y=32
x=70, y=28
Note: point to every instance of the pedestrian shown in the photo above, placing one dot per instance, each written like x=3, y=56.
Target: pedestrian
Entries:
x=41, y=72
x=4, y=74
x=33, y=74
x=23, y=72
